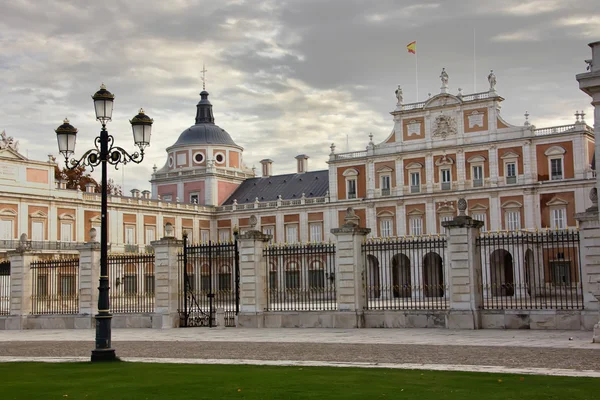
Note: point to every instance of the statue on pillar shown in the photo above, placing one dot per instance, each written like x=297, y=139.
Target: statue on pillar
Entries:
x=399, y=95
x=444, y=78
x=492, y=81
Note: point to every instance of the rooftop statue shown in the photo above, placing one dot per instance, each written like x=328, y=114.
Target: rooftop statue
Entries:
x=492, y=80
x=8, y=142
x=444, y=77
x=399, y=95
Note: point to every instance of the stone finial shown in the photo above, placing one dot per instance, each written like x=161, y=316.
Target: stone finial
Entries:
x=459, y=95
x=332, y=147
x=169, y=229
x=526, y=119
x=154, y=168
x=235, y=202
x=576, y=116
x=351, y=219
x=462, y=206
x=582, y=114
x=93, y=234
x=253, y=221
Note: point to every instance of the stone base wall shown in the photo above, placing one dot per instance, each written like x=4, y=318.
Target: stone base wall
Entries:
x=539, y=319
x=78, y=321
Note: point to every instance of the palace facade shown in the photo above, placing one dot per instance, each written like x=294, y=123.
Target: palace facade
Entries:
x=449, y=147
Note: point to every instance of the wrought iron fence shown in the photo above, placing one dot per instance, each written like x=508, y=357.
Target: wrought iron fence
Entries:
x=208, y=280
x=301, y=277
x=4, y=287
x=132, y=283
x=531, y=270
x=55, y=286
x=406, y=273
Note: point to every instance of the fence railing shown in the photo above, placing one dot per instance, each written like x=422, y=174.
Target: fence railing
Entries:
x=132, y=283
x=55, y=286
x=406, y=273
x=4, y=287
x=208, y=280
x=531, y=270
x=38, y=245
x=300, y=277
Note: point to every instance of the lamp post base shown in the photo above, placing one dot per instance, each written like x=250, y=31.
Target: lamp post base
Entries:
x=102, y=355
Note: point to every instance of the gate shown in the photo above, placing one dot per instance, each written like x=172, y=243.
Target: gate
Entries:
x=4, y=287
x=209, y=280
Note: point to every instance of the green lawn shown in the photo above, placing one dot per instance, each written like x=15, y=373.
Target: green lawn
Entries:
x=177, y=381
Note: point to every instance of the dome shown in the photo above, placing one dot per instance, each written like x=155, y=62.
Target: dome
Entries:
x=204, y=132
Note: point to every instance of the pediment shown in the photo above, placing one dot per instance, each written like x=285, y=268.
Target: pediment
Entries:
x=384, y=169
x=38, y=214
x=96, y=219
x=512, y=204
x=476, y=159
x=385, y=214
x=445, y=160
x=509, y=155
x=350, y=172
x=8, y=212
x=415, y=212
x=442, y=100
x=446, y=209
x=66, y=217
x=555, y=201
x=11, y=154
x=414, y=165
x=478, y=207
x=555, y=151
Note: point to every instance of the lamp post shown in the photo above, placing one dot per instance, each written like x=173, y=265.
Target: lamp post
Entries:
x=105, y=152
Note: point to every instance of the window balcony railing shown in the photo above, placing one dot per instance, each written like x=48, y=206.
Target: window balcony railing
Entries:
x=351, y=195
x=446, y=185
x=477, y=182
x=556, y=177
x=385, y=192
x=415, y=188
x=511, y=180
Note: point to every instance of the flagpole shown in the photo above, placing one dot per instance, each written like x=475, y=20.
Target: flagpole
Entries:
x=474, y=65
x=417, y=75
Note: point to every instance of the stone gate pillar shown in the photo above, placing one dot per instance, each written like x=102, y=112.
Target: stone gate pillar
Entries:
x=89, y=278
x=350, y=279
x=589, y=247
x=166, y=276
x=465, y=273
x=20, y=285
x=253, y=278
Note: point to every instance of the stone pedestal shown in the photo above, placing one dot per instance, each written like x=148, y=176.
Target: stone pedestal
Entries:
x=166, y=270
x=20, y=288
x=464, y=274
x=350, y=276
x=253, y=278
x=89, y=278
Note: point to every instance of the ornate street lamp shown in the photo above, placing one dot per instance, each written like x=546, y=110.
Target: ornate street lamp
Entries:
x=105, y=152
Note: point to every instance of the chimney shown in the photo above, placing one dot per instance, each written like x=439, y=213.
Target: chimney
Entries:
x=267, y=167
x=302, y=163
x=135, y=193
x=146, y=194
x=90, y=187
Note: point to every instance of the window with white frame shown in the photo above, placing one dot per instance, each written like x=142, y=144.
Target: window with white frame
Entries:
x=291, y=233
x=316, y=232
x=386, y=227
x=558, y=218
x=37, y=230
x=150, y=234
x=510, y=168
x=480, y=216
x=195, y=198
x=66, y=232
x=269, y=230
x=415, y=225
x=477, y=175
x=512, y=220
x=415, y=182
x=129, y=234
x=224, y=235
x=386, y=184
x=205, y=235
x=446, y=179
x=556, y=165
x=351, y=176
x=6, y=229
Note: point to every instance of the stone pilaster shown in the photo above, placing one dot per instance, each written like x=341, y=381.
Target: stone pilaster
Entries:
x=89, y=279
x=253, y=276
x=589, y=247
x=465, y=274
x=461, y=166
x=350, y=276
x=166, y=272
x=20, y=287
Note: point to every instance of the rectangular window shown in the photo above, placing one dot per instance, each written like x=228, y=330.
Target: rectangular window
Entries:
x=559, y=218
x=149, y=284
x=513, y=220
x=273, y=280
x=191, y=282
x=130, y=284
x=316, y=278
x=416, y=226
x=37, y=231
x=561, y=271
x=194, y=198
x=316, y=232
x=150, y=234
x=511, y=173
x=42, y=286
x=446, y=179
x=292, y=279
x=291, y=233
x=130, y=235
x=6, y=229
x=225, y=282
x=477, y=175
x=556, y=169
x=269, y=230
x=386, y=227
x=205, y=285
x=415, y=182
x=224, y=235
x=168, y=198
x=480, y=217
x=386, y=185
x=67, y=285
x=351, y=188
x=66, y=231
x=205, y=235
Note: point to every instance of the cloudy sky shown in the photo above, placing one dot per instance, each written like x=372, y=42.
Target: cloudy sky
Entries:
x=285, y=77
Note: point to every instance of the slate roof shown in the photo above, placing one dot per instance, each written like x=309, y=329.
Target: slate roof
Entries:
x=289, y=186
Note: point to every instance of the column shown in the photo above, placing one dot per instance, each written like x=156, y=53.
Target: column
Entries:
x=401, y=219
x=350, y=275
x=529, y=169
x=371, y=221
x=429, y=172
x=464, y=273
x=89, y=278
x=399, y=176
x=460, y=169
x=20, y=288
x=495, y=214
x=253, y=278
x=589, y=231
x=166, y=272
x=529, y=208
x=370, y=179
x=493, y=163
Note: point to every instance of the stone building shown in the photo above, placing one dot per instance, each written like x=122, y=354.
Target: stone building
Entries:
x=452, y=145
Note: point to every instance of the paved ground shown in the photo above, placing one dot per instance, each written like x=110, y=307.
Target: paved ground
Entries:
x=497, y=348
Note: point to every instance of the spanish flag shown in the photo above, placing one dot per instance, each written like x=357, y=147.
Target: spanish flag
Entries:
x=412, y=47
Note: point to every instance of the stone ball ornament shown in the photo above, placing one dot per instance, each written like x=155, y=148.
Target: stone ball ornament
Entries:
x=462, y=206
